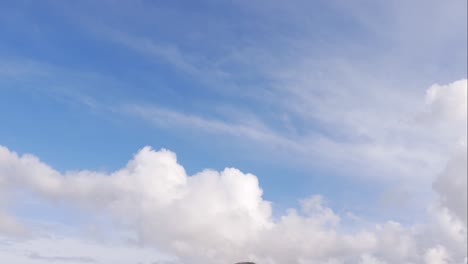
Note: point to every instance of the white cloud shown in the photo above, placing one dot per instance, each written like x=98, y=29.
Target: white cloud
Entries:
x=255, y=131
x=369, y=259
x=212, y=216
x=451, y=184
x=10, y=226
x=436, y=255
x=188, y=215
x=221, y=216
x=448, y=101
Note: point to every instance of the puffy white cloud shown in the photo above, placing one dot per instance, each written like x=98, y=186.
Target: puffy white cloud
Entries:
x=448, y=101
x=209, y=217
x=221, y=216
x=436, y=255
x=206, y=216
x=450, y=210
x=448, y=109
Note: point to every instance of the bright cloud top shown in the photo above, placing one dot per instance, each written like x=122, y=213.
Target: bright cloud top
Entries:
x=448, y=101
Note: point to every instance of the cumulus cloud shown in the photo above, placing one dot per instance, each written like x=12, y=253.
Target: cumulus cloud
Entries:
x=451, y=184
x=448, y=101
x=209, y=217
x=437, y=255
x=222, y=217
x=448, y=104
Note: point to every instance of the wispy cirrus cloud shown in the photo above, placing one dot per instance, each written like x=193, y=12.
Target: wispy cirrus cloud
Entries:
x=399, y=143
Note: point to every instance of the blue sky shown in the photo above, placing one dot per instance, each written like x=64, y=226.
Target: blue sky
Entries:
x=312, y=97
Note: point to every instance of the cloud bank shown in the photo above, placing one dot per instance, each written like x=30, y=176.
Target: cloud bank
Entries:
x=222, y=217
